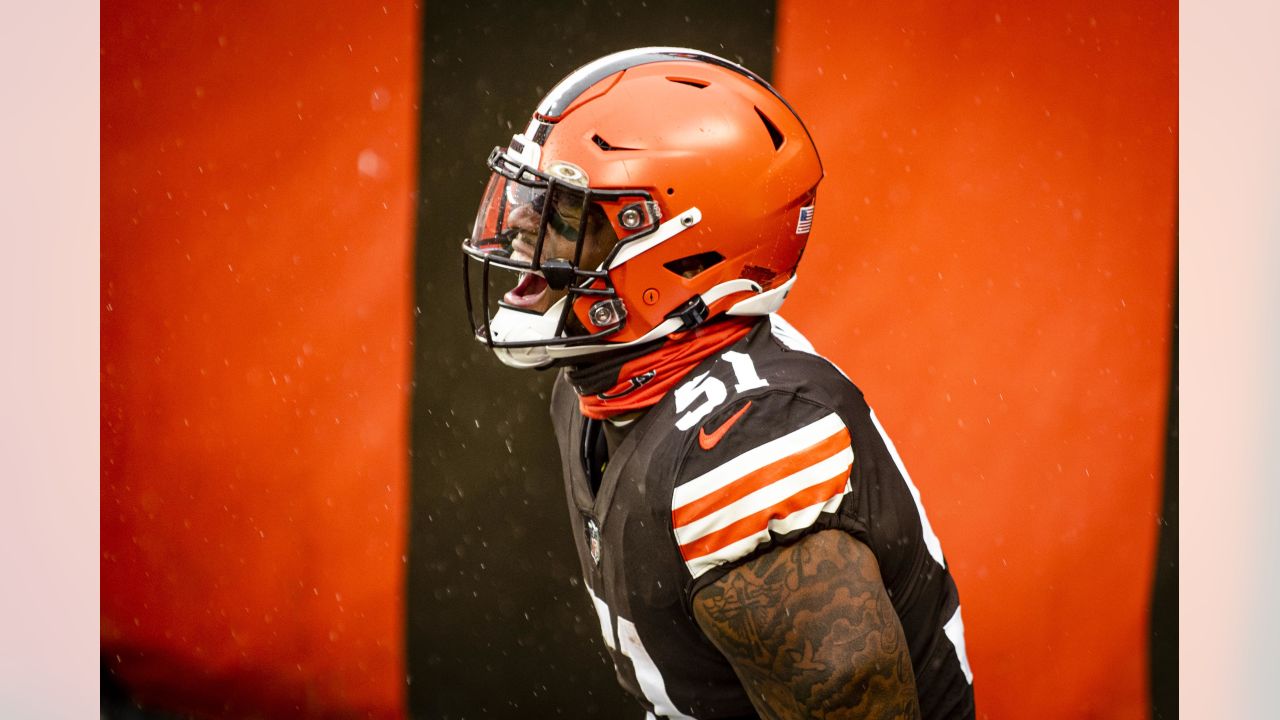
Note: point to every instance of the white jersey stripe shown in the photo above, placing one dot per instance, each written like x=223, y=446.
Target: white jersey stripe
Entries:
x=790, y=336
x=602, y=612
x=955, y=633
x=795, y=521
x=766, y=497
x=931, y=541
x=648, y=676
x=756, y=458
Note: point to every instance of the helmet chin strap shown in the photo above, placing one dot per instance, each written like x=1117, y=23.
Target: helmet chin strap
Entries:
x=508, y=325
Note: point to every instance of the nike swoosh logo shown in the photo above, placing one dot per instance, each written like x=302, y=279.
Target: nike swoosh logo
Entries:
x=706, y=442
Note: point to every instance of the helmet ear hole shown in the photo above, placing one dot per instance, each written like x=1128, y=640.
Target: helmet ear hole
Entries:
x=691, y=266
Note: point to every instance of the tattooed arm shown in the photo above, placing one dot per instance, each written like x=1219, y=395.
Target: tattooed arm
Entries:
x=810, y=632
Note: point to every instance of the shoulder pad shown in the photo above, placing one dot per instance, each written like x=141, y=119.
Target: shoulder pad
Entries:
x=768, y=466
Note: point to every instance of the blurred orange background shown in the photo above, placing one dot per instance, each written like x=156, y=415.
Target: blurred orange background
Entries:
x=992, y=262
x=259, y=167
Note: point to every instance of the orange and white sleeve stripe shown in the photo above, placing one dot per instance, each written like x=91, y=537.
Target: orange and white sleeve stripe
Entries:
x=780, y=486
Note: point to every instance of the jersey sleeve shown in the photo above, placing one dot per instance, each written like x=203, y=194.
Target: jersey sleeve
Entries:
x=762, y=471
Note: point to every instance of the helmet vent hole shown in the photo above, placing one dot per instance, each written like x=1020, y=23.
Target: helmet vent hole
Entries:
x=604, y=144
x=691, y=82
x=774, y=133
x=671, y=191
x=693, y=265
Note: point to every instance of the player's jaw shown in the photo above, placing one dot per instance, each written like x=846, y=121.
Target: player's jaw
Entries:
x=531, y=291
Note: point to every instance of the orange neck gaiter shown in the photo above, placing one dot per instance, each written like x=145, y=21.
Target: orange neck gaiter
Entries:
x=635, y=383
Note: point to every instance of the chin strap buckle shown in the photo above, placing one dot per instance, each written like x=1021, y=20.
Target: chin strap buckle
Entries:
x=691, y=314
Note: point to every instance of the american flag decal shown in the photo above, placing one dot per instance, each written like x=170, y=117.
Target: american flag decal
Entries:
x=806, y=220
x=780, y=486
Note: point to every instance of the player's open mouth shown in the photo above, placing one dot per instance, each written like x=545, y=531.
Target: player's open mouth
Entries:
x=528, y=292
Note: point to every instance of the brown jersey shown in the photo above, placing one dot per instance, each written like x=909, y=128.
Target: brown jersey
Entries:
x=760, y=445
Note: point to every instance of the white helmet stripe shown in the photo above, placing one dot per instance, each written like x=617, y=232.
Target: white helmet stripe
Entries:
x=529, y=154
x=665, y=232
x=568, y=89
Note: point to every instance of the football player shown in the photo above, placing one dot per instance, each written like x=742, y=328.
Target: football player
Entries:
x=749, y=536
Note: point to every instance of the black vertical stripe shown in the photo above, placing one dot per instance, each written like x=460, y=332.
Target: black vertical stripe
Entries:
x=499, y=624
x=1164, y=598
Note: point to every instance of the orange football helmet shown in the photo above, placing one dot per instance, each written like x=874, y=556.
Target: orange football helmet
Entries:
x=654, y=189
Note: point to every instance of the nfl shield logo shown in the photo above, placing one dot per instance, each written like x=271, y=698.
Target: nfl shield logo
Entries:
x=593, y=540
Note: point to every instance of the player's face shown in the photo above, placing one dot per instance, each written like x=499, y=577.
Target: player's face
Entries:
x=531, y=291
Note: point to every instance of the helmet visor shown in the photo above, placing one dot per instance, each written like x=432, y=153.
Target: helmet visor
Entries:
x=522, y=224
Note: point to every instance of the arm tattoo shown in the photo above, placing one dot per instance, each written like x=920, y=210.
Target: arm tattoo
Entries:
x=811, y=633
